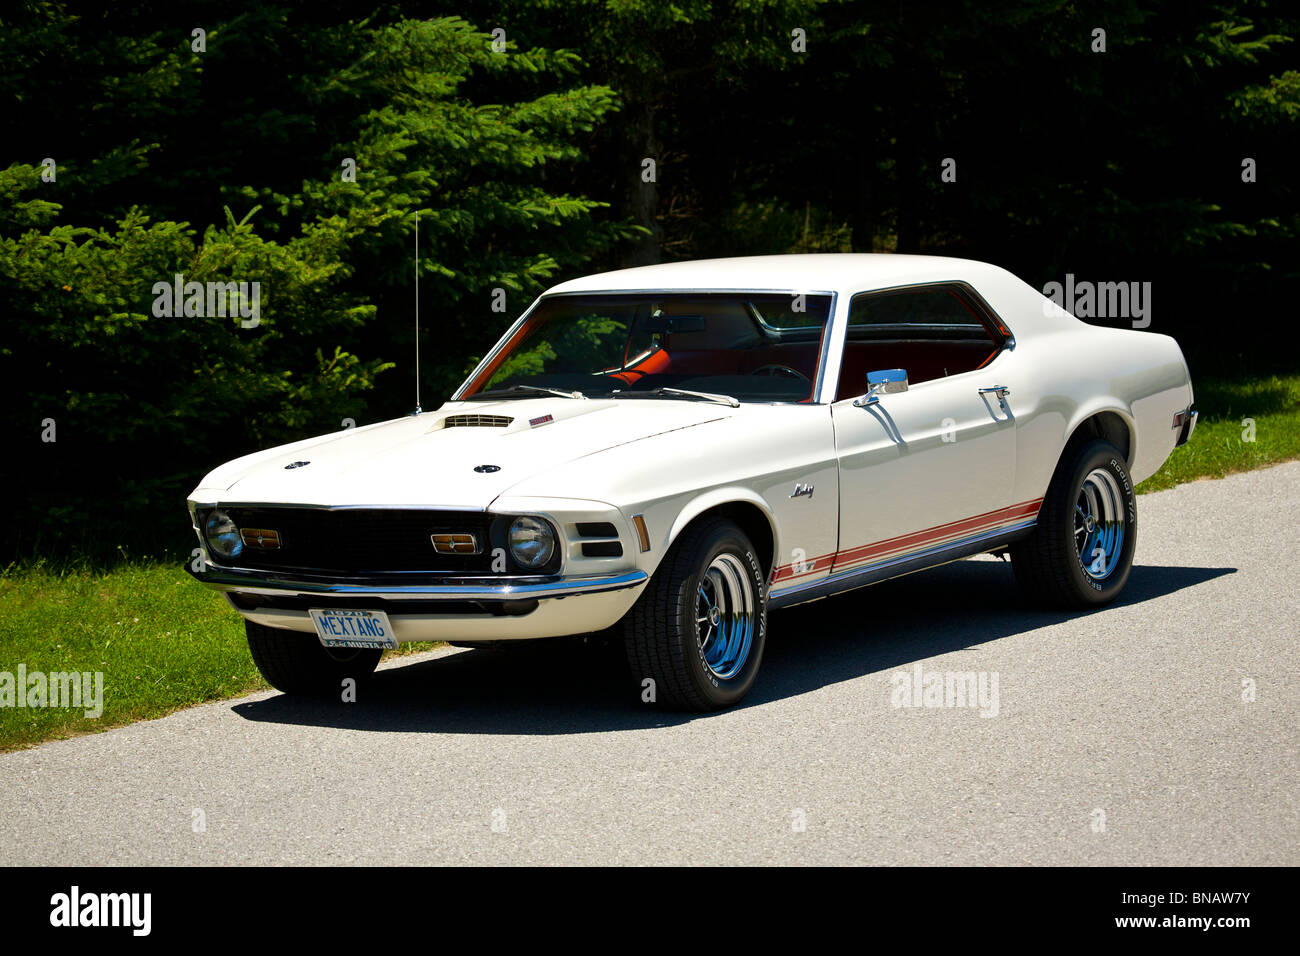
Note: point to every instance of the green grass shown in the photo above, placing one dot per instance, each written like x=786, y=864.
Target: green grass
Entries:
x=1220, y=444
x=163, y=642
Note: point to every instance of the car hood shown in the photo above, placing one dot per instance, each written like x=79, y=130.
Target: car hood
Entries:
x=434, y=459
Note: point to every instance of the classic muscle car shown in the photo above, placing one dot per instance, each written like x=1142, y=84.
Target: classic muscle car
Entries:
x=664, y=453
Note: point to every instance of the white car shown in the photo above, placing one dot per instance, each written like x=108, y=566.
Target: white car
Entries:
x=664, y=453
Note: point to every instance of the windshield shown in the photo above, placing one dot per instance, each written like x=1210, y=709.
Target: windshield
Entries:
x=755, y=347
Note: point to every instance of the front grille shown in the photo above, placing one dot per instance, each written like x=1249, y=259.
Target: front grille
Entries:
x=361, y=541
x=477, y=421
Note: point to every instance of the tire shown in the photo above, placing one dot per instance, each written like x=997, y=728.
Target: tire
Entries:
x=1080, y=554
x=699, y=628
x=297, y=663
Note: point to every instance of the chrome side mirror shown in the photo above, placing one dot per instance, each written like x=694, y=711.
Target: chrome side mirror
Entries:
x=883, y=382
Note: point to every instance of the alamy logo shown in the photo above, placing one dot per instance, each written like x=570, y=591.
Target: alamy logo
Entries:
x=946, y=689
x=209, y=300
x=56, y=689
x=103, y=909
x=1087, y=300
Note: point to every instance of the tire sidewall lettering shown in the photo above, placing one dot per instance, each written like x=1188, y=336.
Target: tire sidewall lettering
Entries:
x=1117, y=468
x=1130, y=500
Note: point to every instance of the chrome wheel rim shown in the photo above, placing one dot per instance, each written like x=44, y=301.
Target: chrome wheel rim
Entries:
x=724, y=616
x=1099, y=524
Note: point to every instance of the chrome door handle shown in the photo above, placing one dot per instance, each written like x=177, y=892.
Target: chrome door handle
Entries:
x=1001, y=391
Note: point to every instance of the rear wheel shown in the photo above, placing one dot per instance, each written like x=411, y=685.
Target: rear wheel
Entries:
x=298, y=663
x=698, y=630
x=1081, y=551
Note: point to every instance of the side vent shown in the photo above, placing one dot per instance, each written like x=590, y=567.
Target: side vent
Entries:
x=600, y=539
x=477, y=421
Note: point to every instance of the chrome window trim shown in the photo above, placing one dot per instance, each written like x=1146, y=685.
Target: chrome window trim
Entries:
x=833, y=360
x=826, y=351
x=501, y=343
x=1006, y=344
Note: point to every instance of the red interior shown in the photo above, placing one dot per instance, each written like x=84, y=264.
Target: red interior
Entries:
x=922, y=360
x=800, y=356
x=656, y=363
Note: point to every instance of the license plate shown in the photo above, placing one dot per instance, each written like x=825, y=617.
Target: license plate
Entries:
x=338, y=628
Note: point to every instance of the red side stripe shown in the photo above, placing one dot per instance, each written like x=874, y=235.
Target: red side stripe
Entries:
x=966, y=526
x=915, y=541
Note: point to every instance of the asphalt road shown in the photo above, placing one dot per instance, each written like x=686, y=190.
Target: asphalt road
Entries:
x=1120, y=736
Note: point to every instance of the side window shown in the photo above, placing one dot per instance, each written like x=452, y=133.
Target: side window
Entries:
x=932, y=331
x=932, y=312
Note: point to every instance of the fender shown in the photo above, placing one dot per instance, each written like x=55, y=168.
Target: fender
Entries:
x=728, y=494
x=1095, y=406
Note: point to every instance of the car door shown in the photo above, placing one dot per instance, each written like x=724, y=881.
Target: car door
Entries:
x=935, y=464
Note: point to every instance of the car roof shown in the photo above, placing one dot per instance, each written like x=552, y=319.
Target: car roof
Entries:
x=828, y=272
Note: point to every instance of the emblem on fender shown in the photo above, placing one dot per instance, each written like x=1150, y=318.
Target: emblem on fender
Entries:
x=802, y=490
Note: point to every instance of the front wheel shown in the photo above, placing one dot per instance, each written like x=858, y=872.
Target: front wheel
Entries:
x=1081, y=551
x=298, y=663
x=697, y=633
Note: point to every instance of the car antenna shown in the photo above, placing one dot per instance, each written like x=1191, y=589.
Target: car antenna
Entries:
x=417, y=314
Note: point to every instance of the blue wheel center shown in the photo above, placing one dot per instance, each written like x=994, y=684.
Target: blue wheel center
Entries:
x=725, y=616
x=1099, y=523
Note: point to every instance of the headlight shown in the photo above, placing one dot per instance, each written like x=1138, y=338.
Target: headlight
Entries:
x=223, y=534
x=532, y=542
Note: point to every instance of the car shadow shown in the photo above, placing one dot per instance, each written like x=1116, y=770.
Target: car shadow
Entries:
x=543, y=688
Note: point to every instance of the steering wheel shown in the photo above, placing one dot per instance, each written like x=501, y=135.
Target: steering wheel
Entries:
x=783, y=371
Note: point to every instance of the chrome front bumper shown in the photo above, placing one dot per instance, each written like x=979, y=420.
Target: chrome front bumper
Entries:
x=452, y=609
x=450, y=589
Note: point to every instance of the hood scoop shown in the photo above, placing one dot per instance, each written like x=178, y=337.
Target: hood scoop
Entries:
x=477, y=421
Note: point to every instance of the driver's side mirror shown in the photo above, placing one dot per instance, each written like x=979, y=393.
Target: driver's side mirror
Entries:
x=883, y=382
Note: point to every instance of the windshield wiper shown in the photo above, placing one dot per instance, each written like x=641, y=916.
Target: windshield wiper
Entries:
x=664, y=390
x=515, y=389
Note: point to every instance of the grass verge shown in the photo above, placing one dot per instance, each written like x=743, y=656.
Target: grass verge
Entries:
x=161, y=641
x=1242, y=425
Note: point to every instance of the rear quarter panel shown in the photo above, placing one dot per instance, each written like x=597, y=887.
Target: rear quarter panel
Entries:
x=1071, y=373
x=1064, y=371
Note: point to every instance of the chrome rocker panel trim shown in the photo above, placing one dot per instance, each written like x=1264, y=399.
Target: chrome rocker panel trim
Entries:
x=896, y=567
